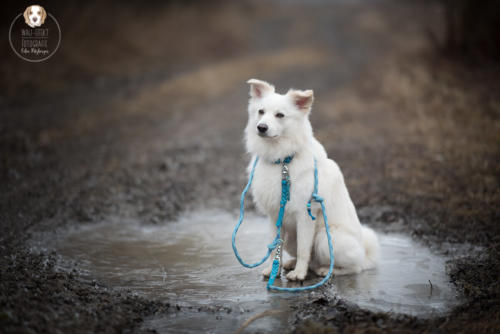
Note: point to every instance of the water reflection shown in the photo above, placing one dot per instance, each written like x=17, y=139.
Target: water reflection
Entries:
x=191, y=261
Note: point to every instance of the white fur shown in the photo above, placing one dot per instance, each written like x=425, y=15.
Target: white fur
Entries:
x=356, y=247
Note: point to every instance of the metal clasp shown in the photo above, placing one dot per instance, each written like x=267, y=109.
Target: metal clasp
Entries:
x=284, y=172
x=278, y=250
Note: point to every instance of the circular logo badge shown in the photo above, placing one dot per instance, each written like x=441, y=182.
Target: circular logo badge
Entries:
x=35, y=35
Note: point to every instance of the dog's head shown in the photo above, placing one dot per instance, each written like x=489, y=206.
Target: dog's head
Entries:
x=35, y=15
x=276, y=120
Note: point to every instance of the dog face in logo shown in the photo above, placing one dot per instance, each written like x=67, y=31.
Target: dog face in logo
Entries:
x=35, y=16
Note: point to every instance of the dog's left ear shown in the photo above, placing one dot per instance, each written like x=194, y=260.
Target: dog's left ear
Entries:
x=44, y=15
x=302, y=99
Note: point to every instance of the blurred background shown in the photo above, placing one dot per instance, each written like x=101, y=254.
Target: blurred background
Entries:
x=140, y=114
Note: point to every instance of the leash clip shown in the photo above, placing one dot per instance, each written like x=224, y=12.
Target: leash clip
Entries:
x=284, y=172
x=278, y=250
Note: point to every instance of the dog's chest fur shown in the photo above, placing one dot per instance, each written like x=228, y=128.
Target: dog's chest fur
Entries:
x=266, y=187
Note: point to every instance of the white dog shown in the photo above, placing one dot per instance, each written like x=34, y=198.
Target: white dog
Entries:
x=34, y=16
x=278, y=127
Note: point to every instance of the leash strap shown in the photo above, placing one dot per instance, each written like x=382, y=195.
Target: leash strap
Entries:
x=277, y=242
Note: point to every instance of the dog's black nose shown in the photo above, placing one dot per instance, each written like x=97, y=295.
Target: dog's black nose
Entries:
x=262, y=128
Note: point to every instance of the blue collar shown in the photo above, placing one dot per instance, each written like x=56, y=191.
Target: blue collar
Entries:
x=286, y=160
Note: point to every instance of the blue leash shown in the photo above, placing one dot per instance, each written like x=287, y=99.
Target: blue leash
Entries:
x=277, y=242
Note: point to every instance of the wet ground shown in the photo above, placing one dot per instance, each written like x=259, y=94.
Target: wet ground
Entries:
x=133, y=134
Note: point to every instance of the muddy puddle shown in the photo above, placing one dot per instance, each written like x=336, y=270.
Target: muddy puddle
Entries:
x=191, y=263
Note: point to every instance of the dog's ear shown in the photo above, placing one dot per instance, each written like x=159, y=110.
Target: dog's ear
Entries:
x=44, y=15
x=25, y=14
x=259, y=88
x=302, y=99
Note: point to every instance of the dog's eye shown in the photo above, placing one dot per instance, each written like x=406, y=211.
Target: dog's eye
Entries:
x=261, y=111
x=280, y=115
x=31, y=12
x=38, y=12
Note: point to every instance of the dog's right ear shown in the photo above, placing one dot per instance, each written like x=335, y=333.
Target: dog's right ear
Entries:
x=259, y=88
x=25, y=14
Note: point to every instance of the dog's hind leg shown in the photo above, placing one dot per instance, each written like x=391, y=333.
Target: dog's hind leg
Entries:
x=348, y=252
x=318, y=269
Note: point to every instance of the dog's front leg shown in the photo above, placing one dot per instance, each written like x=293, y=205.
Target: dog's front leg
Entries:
x=305, y=237
x=267, y=270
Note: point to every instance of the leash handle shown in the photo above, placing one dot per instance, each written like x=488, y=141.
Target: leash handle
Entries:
x=285, y=196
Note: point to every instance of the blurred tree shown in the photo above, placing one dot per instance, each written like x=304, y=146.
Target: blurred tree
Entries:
x=472, y=29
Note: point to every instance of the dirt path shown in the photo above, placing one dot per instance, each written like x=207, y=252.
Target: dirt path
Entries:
x=416, y=137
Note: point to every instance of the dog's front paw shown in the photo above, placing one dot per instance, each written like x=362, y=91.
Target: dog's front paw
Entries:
x=296, y=275
x=267, y=271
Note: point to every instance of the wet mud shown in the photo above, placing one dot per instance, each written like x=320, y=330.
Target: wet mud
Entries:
x=190, y=262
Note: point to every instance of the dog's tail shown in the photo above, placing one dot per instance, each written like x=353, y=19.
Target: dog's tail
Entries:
x=372, y=247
